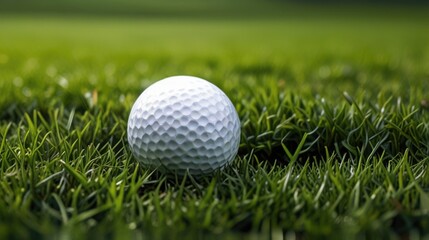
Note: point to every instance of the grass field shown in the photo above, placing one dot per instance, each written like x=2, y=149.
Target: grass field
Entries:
x=334, y=114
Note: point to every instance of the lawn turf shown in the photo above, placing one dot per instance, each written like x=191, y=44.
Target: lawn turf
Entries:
x=334, y=113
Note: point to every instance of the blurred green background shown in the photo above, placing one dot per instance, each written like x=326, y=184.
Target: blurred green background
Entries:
x=205, y=8
x=328, y=45
x=315, y=48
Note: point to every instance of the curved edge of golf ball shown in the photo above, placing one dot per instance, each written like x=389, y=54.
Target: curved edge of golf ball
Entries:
x=184, y=124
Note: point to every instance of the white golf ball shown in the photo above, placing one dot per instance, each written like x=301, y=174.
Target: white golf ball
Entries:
x=182, y=124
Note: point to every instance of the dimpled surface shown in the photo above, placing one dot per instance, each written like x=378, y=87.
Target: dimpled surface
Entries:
x=184, y=124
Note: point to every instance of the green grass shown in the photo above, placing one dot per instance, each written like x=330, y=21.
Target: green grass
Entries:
x=335, y=127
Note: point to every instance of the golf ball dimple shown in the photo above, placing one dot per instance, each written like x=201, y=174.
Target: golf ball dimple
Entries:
x=184, y=124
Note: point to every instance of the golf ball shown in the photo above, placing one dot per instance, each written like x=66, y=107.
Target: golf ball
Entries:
x=184, y=123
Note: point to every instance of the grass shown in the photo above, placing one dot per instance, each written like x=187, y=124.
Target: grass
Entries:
x=335, y=128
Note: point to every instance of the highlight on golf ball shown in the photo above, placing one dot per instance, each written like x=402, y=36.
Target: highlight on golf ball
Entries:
x=184, y=124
